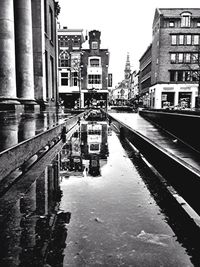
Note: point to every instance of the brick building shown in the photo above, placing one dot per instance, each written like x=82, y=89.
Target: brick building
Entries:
x=174, y=58
x=69, y=57
x=145, y=76
x=94, y=72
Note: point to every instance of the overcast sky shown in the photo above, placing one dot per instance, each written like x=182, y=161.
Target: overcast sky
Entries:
x=125, y=25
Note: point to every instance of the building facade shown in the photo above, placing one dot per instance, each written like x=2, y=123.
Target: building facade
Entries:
x=28, y=75
x=175, y=58
x=94, y=72
x=145, y=76
x=69, y=66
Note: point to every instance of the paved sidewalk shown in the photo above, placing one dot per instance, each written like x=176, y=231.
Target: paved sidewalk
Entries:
x=161, y=138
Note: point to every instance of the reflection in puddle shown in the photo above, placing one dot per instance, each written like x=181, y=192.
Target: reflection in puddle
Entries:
x=86, y=151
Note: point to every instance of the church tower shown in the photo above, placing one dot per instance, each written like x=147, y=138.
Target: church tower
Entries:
x=127, y=70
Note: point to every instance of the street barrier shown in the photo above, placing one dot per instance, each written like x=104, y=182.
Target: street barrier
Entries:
x=16, y=156
x=181, y=175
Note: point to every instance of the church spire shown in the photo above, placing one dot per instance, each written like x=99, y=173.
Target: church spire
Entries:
x=127, y=70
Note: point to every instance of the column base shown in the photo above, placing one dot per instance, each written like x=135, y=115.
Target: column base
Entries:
x=30, y=105
x=10, y=104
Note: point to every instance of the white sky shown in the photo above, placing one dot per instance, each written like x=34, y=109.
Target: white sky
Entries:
x=125, y=25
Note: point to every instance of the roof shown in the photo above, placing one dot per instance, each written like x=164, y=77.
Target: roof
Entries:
x=175, y=12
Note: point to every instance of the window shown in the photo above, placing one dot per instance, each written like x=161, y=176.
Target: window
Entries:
x=64, y=78
x=76, y=42
x=64, y=59
x=94, y=62
x=74, y=79
x=185, y=20
x=171, y=24
x=188, y=39
x=172, y=76
x=194, y=75
x=195, y=58
x=187, y=57
x=196, y=39
x=46, y=73
x=187, y=75
x=45, y=16
x=94, y=45
x=94, y=79
x=52, y=76
x=174, y=40
x=50, y=24
x=173, y=58
x=180, y=76
x=180, y=57
x=198, y=23
x=181, y=39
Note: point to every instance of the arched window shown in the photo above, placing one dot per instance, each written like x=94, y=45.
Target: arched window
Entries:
x=185, y=19
x=64, y=59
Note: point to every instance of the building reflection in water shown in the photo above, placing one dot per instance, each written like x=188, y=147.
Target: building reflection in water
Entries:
x=29, y=230
x=87, y=150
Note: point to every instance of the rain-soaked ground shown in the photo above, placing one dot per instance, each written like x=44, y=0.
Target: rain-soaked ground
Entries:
x=95, y=204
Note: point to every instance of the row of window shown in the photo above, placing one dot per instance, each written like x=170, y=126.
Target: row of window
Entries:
x=66, y=43
x=92, y=79
x=184, y=58
x=64, y=61
x=177, y=24
x=185, y=39
x=183, y=75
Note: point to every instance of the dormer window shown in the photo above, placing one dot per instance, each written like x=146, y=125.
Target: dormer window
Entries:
x=185, y=19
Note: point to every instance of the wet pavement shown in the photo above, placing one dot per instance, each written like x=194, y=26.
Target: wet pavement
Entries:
x=94, y=204
x=161, y=138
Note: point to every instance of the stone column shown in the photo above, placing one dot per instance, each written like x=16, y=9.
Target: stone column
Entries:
x=24, y=51
x=7, y=54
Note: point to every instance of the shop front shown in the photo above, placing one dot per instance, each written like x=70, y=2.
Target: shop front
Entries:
x=95, y=99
